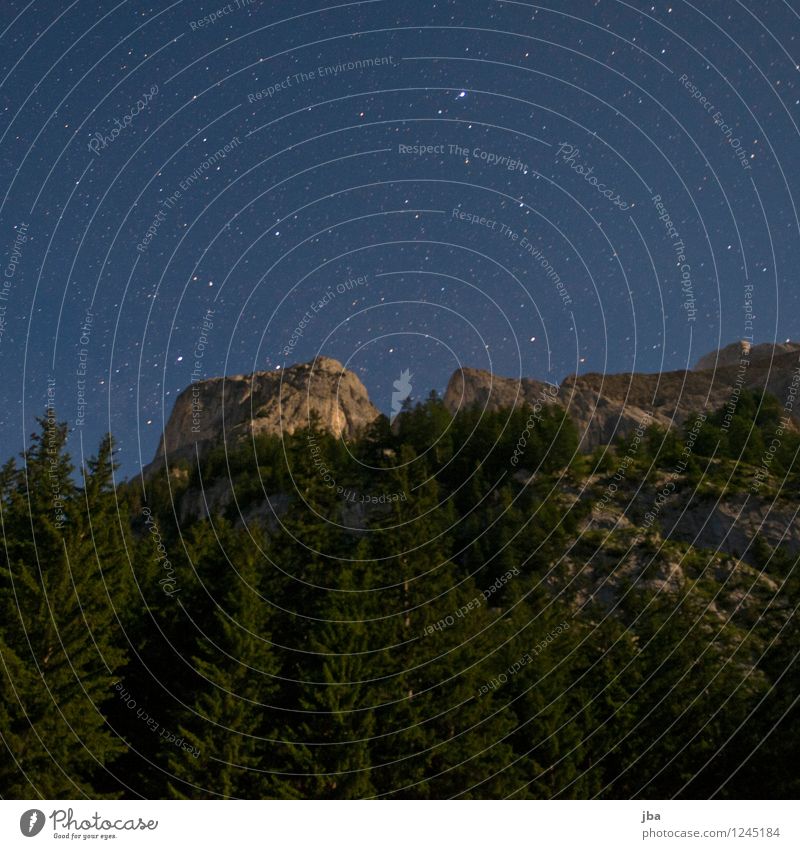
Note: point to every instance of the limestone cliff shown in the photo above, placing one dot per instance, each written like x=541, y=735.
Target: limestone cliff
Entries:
x=604, y=406
x=228, y=408
x=730, y=354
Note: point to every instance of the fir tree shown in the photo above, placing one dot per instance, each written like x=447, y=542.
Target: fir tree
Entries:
x=60, y=643
x=442, y=736
x=226, y=742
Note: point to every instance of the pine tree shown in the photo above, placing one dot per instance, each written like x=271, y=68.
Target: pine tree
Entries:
x=225, y=743
x=441, y=737
x=61, y=649
x=324, y=592
x=334, y=722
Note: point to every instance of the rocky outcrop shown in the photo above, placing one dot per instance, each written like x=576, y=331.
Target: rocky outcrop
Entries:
x=731, y=354
x=229, y=408
x=605, y=406
x=731, y=525
x=470, y=387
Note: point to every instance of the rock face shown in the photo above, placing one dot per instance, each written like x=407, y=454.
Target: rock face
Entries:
x=605, y=406
x=602, y=406
x=470, y=387
x=229, y=408
x=731, y=354
x=731, y=525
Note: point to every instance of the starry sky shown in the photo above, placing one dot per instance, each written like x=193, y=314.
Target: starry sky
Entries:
x=581, y=186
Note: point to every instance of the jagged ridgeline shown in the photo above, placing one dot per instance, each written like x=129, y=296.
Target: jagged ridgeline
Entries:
x=516, y=590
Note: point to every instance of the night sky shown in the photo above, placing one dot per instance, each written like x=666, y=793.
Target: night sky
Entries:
x=531, y=189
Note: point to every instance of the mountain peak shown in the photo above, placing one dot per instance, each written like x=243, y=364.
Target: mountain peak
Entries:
x=731, y=354
x=226, y=409
x=603, y=406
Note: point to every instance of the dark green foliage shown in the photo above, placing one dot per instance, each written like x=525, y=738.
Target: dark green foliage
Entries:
x=741, y=431
x=426, y=612
x=230, y=722
x=59, y=636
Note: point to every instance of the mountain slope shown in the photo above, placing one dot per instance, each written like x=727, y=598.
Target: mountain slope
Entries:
x=605, y=406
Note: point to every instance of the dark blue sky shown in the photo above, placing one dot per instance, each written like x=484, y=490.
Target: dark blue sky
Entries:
x=534, y=189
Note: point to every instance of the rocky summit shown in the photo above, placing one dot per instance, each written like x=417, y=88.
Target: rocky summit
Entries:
x=230, y=408
x=603, y=406
x=731, y=354
x=606, y=406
